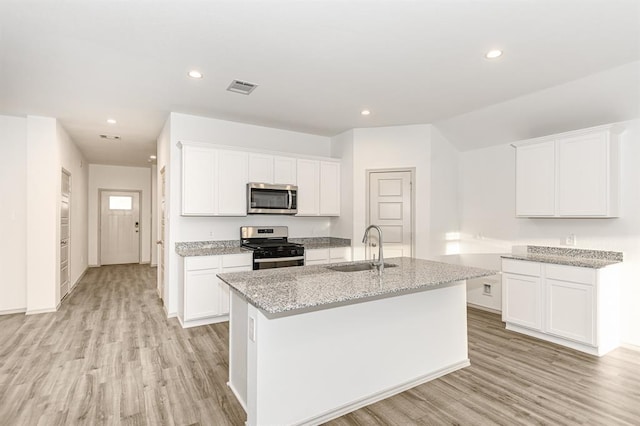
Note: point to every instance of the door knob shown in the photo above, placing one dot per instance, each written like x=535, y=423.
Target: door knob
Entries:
x=159, y=242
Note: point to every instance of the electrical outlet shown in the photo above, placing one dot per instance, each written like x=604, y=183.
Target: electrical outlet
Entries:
x=211, y=234
x=570, y=240
x=486, y=289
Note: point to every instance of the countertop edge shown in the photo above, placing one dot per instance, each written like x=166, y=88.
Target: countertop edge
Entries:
x=559, y=260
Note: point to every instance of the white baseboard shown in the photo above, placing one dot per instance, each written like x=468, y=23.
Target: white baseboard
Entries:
x=630, y=346
x=79, y=279
x=40, y=311
x=240, y=400
x=341, y=411
x=484, y=308
x=13, y=311
x=203, y=321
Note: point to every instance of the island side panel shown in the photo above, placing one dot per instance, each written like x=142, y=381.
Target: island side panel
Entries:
x=311, y=367
x=238, y=347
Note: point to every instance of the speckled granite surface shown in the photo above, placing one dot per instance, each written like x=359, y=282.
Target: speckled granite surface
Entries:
x=569, y=256
x=210, y=248
x=215, y=248
x=289, y=291
x=321, y=242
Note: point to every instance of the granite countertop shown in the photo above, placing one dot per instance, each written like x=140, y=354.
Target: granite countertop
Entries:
x=210, y=248
x=311, y=243
x=288, y=291
x=568, y=256
x=215, y=248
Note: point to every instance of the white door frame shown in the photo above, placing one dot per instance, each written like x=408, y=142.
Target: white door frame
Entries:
x=100, y=191
x=411, y=170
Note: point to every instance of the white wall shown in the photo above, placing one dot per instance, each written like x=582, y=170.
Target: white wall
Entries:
x=119, y=178
x=342, y=147
x=444, y=212
x=489, y=225
x=13, y=216
x=43, y=187
x=182, y=127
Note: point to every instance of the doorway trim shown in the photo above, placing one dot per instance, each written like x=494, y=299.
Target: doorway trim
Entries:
x=412, y=171
x=99, y=230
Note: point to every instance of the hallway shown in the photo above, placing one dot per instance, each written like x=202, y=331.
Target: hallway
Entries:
x=110, y=356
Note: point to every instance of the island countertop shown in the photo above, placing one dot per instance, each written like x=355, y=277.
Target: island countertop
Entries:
x=288, y=291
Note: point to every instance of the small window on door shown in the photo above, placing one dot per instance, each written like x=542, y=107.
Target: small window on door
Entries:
x=119, y=202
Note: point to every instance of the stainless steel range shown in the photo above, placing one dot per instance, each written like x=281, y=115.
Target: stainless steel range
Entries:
x=270, y=246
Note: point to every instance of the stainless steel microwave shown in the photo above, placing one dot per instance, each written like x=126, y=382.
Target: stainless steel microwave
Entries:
x=265, y=198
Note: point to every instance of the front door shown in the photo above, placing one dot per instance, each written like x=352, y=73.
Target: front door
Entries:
x=390, y=209
x=119, y=227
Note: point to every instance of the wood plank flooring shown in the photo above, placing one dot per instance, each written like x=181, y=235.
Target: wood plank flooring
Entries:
x=109, y=356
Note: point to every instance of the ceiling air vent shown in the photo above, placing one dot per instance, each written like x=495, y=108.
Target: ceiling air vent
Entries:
x=243, y=87
x=111, y=137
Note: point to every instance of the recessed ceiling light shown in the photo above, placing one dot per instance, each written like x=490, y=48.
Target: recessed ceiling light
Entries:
x=195, y=74
x=111, y=121
x=365, y=112
x=492, y=54
x=153, y=157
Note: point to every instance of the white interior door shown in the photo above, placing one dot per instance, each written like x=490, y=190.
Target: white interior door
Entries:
x=65, y=223
x=390, y=209
x=119, y=227
x=160, y=241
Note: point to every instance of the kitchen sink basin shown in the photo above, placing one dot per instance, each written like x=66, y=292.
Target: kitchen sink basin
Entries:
x=358, y=267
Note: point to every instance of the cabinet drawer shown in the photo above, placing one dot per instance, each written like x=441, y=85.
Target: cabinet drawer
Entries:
x=235, y=260
x=316, y=254
x=521, y=267
x=196, y=263
x=571, y=273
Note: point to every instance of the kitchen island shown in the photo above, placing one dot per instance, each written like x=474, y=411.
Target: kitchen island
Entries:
x=308, y=344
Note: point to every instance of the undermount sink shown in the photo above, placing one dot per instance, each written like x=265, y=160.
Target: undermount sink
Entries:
x=358, y=267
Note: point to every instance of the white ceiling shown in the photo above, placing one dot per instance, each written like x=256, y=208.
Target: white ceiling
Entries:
x=317, y=63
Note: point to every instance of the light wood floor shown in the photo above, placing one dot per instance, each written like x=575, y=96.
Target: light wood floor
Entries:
x=109, y=356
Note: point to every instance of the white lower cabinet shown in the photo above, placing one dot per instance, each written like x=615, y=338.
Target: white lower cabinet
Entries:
x=204, y=297
x=522, y=300
x=570, y=311
x=568, y=305
x=326, y=256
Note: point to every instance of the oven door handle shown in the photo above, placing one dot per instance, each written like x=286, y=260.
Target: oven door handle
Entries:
x=290, y=199
x=278, y=259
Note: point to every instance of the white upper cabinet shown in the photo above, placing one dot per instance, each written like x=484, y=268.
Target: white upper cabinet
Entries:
x=260, y=168
x=535, y=179
x=308, y=187
x=199, y=181
x=329, y=188
x=265, y=168
x=574, y=174
x=587, y=175
x=213, y=181
x=284, y=170
x=318, y=188
x=233, y=174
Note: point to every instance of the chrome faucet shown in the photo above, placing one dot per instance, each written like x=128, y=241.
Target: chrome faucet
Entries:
x=380, y=263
